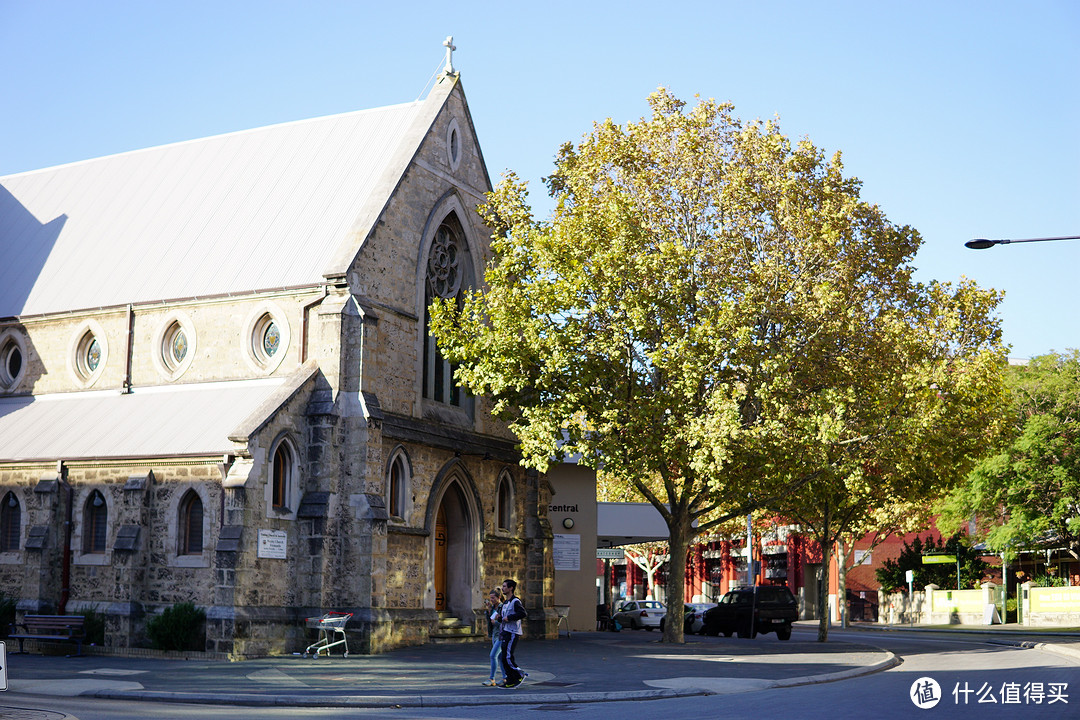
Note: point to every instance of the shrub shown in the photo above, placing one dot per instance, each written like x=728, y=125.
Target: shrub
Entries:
x=178, y=628
x=7, y=614
x=94, y=626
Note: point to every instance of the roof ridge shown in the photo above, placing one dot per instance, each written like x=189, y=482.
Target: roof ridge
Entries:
x=230, y=133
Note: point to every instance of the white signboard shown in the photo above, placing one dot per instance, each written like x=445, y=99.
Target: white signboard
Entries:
x=272, y=544
x=567, y=552
x=3, y=666
x=610, y=554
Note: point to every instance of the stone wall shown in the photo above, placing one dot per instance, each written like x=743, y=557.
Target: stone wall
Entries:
x=355, y=344
x=219, y=334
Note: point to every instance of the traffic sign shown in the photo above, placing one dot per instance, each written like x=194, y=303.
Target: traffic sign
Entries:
x=938, y=559
x=3, y=666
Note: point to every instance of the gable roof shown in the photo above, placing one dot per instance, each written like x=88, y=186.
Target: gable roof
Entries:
x=166, y=421
x=253, y=210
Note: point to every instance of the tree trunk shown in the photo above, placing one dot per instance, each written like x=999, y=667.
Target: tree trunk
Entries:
x=678, y=544
x=823, y=592
x=841, y=582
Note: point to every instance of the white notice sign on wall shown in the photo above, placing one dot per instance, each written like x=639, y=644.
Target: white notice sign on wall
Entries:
x=272, y=544
x=566, y=550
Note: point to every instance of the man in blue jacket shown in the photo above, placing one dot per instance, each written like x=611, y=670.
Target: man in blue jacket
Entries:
x=513, y=612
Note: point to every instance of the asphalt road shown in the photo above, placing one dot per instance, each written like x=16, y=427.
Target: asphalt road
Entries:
x=976, y=677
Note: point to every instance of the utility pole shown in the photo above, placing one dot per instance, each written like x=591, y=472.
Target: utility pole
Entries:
x=749, y=550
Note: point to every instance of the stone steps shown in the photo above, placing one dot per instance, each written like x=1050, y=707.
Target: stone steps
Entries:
x=452, y=630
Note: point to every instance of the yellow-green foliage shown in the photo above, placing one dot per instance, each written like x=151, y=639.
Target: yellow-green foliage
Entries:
x=711, y=311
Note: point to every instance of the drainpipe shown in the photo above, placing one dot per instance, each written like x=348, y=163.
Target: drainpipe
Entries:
x=65, y=568
x=130, y=347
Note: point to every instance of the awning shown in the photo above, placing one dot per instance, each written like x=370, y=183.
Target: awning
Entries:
x=166, y=421
x=628, y=524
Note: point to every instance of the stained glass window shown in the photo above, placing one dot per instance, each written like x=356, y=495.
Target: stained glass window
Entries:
x=449, y=275
x=191, y=524
x=10, y=523
x=93, y=355
x=179, y=346
x=271, y=339
x=282, y=470
x=95, y=523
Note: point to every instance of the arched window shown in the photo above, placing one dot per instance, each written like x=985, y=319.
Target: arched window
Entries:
x=95, y=523
x=89, y=353
x=504, y=502
x=396, y=486
x=190, y=540
x=282, y=478
x=10, y=523
x=449, y=275
x=174, y=346
x=12, y=359
x=266, y=339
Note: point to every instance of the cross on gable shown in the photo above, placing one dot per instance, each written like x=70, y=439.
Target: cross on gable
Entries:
x=450, y=48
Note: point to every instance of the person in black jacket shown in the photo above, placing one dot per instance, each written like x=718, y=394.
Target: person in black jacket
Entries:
x=512, y=613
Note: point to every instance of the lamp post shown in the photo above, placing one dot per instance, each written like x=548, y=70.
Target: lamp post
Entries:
x=984, y=243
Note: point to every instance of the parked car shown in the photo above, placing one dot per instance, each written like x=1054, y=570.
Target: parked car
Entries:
x=694, y=619
x=687, y=610
x=637, y=614
x=772, y=607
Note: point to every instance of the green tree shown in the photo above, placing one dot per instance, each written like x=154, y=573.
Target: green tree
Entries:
x=892, y=575
x=1027, y=494
x=703, y=314
x=877, y=525
x=904, y=415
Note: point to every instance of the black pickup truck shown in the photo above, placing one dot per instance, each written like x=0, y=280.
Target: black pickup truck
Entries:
x=772, y=607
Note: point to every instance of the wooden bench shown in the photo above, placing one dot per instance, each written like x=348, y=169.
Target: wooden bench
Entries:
x=64, y=628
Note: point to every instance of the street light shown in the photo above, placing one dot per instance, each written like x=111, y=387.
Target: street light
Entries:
x=983, y=243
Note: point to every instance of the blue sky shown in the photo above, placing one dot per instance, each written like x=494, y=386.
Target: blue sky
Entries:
x=961, y=118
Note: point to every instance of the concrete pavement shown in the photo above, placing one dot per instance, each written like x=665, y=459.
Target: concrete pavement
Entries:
x=1063, y=641
x=589, y=667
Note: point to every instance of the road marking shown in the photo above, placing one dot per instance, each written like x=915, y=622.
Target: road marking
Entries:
x=276, y=677
x=111, y=671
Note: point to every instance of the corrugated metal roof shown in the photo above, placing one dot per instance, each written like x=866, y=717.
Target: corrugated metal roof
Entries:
x=149, y=422
x=252, y=210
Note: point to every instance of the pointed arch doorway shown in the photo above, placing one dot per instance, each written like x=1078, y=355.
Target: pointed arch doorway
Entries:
x=440, y=559
x=455, y=551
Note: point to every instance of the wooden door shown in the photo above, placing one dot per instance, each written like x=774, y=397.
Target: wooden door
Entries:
x=440, y=559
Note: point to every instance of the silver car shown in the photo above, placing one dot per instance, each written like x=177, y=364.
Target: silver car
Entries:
x=694, y=621
x=637, y=614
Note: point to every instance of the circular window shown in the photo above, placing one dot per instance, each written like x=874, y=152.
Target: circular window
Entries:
x=12, y=359
x=175, y=341
x=175, y=347
x=88, y=358
x=89, y=353
x=267, y=338
x=271, y=338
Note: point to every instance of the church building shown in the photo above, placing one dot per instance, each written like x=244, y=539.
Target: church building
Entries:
x=217, y=387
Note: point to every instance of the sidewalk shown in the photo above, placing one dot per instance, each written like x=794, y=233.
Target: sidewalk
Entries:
x=1064, y=641
x=589, y=667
